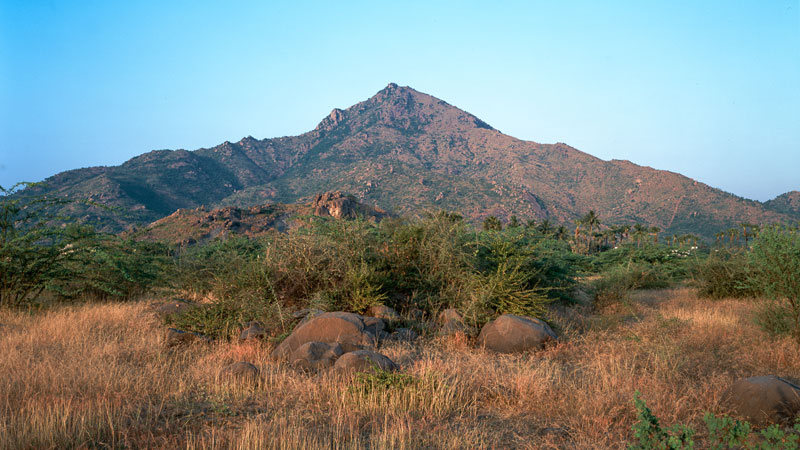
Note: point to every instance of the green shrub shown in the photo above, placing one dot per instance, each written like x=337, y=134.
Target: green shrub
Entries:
x=615, y=285
x=724, y=274
x=722, y=433
x=380, y=380
x=775, y=317
x=775, y=268
x=69, y=261
x=431, y=263
x=223, y=318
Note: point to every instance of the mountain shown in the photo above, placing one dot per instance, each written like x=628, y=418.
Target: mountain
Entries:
x=406, y=152
x=788, y=203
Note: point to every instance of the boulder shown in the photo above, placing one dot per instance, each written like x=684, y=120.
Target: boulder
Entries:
x=764, y=400
x=363, y=361
x=416, y=314
x=403, y=335
x=375, y=327
x=241, y=369
x=253, y=330
x=174, y=307
x=450, y=322
x=303, y=313
x=510, y=333
x=313, y=356
x=177, y=337
x=346, y=329
x=383, y=312
x=449, y=315
x=306, y=314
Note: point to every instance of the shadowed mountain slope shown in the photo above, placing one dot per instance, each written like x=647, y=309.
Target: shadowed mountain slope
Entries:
x=407, y=152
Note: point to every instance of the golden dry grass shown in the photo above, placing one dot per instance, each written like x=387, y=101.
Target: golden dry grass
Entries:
x=98, y=376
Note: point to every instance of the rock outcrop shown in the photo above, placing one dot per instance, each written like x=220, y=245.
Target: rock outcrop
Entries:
x=343, y=206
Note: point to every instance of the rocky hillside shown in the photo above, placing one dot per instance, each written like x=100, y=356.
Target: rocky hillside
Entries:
x=189, y=226
x=406, y=152
x=788, y=203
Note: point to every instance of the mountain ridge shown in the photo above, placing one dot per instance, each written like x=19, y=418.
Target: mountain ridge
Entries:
x=407, y=151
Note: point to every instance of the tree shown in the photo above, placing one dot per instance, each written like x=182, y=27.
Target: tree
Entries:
x=655, y=230
x=492, y=223
x=591, y=222
x=33, y=252
x=545, y=227
x=775, y=268
x=513, y=222
x=639, y=231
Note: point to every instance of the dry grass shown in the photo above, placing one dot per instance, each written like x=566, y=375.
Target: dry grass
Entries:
x=97, y=376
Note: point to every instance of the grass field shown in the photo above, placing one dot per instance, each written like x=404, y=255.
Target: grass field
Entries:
x=99, y=376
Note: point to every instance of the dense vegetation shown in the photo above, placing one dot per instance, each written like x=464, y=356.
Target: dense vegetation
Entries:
x=427, y=264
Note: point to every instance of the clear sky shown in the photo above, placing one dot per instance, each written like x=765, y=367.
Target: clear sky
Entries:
x=710, y=89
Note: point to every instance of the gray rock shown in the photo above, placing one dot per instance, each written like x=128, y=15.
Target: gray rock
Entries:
x=451, y=322
x=363, y=361
x=315, y=356
x=764, y=400
x=416, y=314
x=174, y=307
x=403, y=335
x=253, y=330
x=449, y=315
x=510, y=333
x=177, y=337
x=346, y=329
x=241, y=369
x=375, y=327
x=306, y=315
x=383, y=312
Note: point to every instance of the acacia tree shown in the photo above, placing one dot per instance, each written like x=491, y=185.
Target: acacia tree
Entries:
x=775, y=268
x=32, y=252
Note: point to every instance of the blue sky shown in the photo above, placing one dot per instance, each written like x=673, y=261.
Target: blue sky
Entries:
x=708, y=89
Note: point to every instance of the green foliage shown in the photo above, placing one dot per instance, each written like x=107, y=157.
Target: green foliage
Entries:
x=615, y=285
x=674, y=263
x=722, y=433
x=379, y=380
x=431, y=263
x=69, y=260
x=724, y=274
x=775, y=268
x=650, y=435
x=492, y=223
x=775, y=317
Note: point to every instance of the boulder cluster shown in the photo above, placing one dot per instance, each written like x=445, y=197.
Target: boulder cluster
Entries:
x=346, y=343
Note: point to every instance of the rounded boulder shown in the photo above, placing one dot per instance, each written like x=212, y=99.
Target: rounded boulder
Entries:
x=510, y=333
x=364, y=361
x=346, y=329
x=764, y=400
x=315, y=355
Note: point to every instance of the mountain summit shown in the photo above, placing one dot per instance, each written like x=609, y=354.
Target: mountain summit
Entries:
x=407, y=152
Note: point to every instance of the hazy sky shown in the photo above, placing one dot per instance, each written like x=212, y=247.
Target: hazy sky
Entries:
x=707, y=89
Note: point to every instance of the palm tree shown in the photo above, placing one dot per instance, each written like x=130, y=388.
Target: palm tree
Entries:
x=591, y=221
x=560, y=233
x=639, y=231
x=545, y=227
x=655, y=231
x=492, y=223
